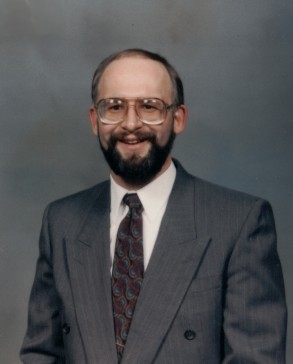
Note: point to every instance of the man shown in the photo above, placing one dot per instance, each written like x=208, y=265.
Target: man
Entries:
x=198, y=279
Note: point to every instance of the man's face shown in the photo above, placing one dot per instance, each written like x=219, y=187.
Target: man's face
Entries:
x=137, y=152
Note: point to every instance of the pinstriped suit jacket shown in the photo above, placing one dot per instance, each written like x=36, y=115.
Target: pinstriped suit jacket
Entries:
x=213, y=291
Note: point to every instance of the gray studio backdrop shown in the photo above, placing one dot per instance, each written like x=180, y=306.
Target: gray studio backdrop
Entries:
x=235, y=58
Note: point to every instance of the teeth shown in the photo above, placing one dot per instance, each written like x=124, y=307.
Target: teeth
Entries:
x=132, y=141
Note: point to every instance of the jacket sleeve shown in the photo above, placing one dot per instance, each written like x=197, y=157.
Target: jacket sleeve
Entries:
x=255, y=310
x=43, y=341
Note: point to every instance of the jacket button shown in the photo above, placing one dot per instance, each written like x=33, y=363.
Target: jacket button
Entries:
x=189, y=335
x=66, y=329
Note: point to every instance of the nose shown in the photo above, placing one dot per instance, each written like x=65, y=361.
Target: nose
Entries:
x=131, y=121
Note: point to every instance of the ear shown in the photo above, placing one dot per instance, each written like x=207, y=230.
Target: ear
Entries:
x=94, y=120
x=180, y=118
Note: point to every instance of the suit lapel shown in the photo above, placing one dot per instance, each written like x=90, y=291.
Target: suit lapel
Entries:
x=174, y=262
x=89, y=268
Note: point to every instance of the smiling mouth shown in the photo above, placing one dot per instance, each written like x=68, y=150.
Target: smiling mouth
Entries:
x=133, y=141
x=133, y=146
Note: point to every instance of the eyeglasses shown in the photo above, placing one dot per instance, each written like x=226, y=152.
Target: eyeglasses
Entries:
x=150, y=111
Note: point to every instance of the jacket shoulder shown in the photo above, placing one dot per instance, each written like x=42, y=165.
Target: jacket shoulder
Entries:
x=214, y=198
x=71, y=210
x=212, y=191
x=80, y=198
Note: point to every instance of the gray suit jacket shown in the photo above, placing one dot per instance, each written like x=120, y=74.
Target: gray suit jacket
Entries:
x=213, y=291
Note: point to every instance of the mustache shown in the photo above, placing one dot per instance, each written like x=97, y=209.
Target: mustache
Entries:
x=141, y=137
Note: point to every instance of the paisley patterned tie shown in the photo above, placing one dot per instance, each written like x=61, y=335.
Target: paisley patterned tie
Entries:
x=128, y=268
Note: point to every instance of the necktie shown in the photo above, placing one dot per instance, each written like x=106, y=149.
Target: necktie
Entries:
x=128, y=268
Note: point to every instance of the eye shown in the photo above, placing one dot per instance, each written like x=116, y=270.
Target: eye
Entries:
x=150, y=105
x=114, y=105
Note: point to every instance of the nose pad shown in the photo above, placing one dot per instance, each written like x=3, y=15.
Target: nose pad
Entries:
x=131, y=120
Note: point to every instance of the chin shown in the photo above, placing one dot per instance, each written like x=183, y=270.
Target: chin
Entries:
x=137, y=169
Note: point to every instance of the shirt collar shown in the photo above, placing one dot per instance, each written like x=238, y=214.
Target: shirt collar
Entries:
x=153, y=196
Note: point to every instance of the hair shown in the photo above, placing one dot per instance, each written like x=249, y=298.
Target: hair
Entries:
x=177, y=85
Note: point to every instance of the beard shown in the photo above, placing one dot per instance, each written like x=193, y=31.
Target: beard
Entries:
x=136, y=170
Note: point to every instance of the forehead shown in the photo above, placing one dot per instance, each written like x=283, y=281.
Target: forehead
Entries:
x=135, y=77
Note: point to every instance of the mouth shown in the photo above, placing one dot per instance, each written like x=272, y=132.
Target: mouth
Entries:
x=134, y=139
x=133, y=144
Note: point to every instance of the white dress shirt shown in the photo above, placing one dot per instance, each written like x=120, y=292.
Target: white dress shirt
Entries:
x=154, y=198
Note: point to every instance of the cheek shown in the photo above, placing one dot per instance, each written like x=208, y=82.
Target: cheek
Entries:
x=104, y=134
x=164, y=134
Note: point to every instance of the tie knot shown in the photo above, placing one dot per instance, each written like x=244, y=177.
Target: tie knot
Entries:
x=133, y=201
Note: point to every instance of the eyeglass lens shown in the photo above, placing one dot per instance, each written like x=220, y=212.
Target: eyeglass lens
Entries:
x=149, y=110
